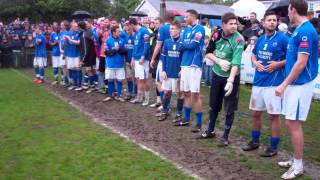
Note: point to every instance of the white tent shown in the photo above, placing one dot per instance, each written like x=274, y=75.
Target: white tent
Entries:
x=245, y=7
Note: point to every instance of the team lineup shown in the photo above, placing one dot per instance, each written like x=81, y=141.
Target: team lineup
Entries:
x=85, y=58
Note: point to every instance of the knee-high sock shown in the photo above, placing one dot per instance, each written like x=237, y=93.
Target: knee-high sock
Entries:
x=55, y=73
x=179, y=106
x=130, y=86
x=110, y=88
x=41, y=72
x=212, y=120
x=37, y=72
x=166, y=102
x=119, y=88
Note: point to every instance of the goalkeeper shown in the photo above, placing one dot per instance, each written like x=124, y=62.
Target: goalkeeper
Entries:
x=225, y=51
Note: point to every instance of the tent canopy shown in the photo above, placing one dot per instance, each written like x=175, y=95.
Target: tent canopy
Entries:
x=243, y=8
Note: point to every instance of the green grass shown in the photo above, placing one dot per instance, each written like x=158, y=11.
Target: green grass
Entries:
x=44, y=138
x=242, y=125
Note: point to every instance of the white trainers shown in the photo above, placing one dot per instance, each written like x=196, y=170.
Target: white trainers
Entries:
x=134, y=101
x=78, y=89
x=160, y=108
x=71, y=88
x=292, y=173
x=107, y=99
x=55, y=82
x=145, y=103
x=155, y=105
x=286, y=164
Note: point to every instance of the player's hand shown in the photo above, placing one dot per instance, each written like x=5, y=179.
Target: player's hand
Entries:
x=228, y=88
x=259, y=66
x=116, y=47
x=152, y=63
x=224, y=64
x=141, y=61
x=164, y=75
x=280, y=90
x=81, y=63
x=272, y=65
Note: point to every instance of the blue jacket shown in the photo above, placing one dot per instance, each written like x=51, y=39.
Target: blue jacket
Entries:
x=40, y=46
x=171, y=57
x=192, y=44
x=54, y=37
x=114, y=58
x=141, y=48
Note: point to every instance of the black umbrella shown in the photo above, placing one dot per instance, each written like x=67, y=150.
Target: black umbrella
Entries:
x=279, y=6
x=139, y=14
x=81, y=14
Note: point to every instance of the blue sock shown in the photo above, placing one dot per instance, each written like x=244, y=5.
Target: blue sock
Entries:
x=179, y=106
x=80, y=76
x=95, y=78
x=161, y=95
x=135, y=90
x=61, y=71
x=75, y=75
x=130, y=86
x=91, y=81
x=86, y=79
x=166, y=102
x=255, y=135
x=37, y=72
x=274, y=142
x=55, y=72
x=199, y=119
x=110, y=88
x=187, y=112
x=119, y=88
x=41, y=72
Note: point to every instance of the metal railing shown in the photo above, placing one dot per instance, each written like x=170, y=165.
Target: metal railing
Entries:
x=20, y=59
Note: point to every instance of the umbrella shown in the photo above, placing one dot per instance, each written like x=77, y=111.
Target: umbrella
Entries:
x=176, y=12
x=243, y=8
x=139, y=14
x=81, y=14
x=279, y=6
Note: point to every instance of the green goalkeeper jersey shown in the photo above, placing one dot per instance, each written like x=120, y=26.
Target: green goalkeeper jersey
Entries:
x=230, y=49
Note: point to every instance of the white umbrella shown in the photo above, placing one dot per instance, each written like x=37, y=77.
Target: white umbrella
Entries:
x=245, y=7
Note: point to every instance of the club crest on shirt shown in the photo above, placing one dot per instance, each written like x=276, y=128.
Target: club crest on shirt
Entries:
x=274, y=44
x=304, y=38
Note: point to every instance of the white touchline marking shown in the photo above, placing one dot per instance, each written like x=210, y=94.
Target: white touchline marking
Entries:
x=114, y=130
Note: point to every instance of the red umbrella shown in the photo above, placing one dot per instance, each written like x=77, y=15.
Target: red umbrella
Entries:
x=176, y=12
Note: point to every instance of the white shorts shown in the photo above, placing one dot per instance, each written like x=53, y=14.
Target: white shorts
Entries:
x=296, y=101
x=190, y=79
x=40, y=61
x=171, y=84
x=55, y=61
x=265, y=99
x=158, y=72
x=62, y=62
x=73, y=62
x=118, y=74
x=141, y=71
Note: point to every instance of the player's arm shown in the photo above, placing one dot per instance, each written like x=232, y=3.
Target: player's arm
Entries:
x=146, y=45
x=164, y=62
x=109, y=51
x=194, y=43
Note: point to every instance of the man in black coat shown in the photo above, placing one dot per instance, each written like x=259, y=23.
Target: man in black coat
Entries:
x=87, y=51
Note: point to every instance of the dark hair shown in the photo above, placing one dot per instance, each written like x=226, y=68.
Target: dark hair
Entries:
x=114, y=29
x=169, y=16
x=176, y=24
x=89, y=20
x=316, y=23
x=133, y=21
x=82, y=25
x=227, y=17
x=254, y=13
x=193, y=12
x=159, y=19
x=301, y=6
x=269, y=13
x=66, y=24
